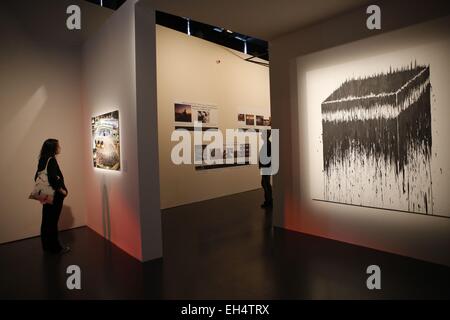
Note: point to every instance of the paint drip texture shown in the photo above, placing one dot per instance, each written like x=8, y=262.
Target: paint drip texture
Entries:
x=377, y=141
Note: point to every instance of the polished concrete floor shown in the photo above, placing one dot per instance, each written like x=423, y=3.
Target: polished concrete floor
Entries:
x=219, y=249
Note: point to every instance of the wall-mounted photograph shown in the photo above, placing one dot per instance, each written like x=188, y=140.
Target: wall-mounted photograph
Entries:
x=249, y=119
x=203, y=116
x=183, y=113
x=106, y=141
x=239, y=154
x=259, y=120
x=189, y=115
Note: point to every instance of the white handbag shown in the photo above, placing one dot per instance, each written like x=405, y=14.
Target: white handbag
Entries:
x=43, y=191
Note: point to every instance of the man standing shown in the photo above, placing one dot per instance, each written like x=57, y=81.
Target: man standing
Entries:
x=266, y=151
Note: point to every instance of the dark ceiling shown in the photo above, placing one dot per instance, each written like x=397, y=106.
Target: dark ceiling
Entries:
x=252, y=46
x=112, y=4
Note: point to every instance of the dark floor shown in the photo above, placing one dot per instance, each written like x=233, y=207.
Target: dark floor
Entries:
x=219, y=249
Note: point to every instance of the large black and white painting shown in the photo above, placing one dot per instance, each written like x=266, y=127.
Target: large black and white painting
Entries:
x=373, y=125
x=377, y=138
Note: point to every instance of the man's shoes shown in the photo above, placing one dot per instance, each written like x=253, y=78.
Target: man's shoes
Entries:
x=267, y=205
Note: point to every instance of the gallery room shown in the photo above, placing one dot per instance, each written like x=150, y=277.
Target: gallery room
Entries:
x=232, y=150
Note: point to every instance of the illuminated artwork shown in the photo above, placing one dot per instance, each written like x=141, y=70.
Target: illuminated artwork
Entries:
x=373, y=128
x=377, y=132
x=106, y=141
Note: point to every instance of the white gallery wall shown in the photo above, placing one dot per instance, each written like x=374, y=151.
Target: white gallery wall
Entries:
x=40, y=77
x=419, y=236
x=119, y=74
x=193, y=70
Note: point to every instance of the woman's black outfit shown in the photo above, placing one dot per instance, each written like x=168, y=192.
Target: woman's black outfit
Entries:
x=51, y=212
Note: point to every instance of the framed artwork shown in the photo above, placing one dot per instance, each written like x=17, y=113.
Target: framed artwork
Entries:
x=106, y=141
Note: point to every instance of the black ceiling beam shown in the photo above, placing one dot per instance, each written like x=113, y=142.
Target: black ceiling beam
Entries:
x=255, y=47
x=111, y=4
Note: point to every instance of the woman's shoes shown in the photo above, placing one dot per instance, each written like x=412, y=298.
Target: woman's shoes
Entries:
x=64, y=250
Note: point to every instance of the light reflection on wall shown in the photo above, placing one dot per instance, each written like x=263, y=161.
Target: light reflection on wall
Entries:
x=21, y=123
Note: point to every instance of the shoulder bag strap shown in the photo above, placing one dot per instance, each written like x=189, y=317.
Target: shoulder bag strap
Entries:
x=46, y=165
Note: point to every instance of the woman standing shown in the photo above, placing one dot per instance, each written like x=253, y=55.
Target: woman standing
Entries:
x=51, y=212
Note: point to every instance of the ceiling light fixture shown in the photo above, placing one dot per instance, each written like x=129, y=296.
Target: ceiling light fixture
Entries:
x=243, y=40
x=188, y=26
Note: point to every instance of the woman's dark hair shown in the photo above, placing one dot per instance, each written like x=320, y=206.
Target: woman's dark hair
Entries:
x=49, y=148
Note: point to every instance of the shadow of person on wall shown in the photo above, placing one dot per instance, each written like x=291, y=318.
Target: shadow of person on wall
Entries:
x=106, y=213
x=66, y=222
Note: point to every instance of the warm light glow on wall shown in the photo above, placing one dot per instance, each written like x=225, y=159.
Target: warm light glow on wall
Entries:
x=21, y=123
